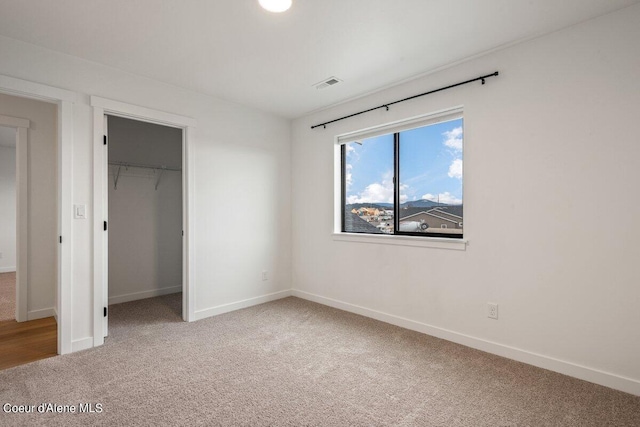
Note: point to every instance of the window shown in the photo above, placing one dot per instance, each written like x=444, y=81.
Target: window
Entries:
x=404, y=179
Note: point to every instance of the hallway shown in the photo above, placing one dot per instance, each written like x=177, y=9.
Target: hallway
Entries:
x=22, y=342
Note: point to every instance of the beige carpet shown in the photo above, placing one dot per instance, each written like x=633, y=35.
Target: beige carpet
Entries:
x=7, y=296
x=296, y=363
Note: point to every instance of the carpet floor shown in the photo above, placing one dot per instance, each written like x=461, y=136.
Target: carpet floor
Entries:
x=7, y=296
x=296, y=363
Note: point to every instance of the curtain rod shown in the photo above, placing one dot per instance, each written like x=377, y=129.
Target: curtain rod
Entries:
x=407, y=99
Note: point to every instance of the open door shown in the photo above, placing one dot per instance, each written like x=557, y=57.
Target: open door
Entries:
x=105, y=215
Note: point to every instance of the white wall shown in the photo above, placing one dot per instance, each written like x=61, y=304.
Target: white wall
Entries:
x=145, y=224
x=242, y=211
x=7, y=208
x=551, y=163
x=42, y=196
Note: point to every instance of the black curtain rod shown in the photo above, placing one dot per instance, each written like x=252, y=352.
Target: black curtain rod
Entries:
x=407, y=99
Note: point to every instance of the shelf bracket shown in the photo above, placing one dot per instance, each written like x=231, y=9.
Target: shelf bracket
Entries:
x=160, y=176
x=115, y=178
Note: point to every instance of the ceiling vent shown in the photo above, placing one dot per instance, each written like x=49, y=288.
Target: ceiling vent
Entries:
x=327, y=82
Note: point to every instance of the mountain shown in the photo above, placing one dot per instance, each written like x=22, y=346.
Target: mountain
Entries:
x=370, y=205
x=422, y=203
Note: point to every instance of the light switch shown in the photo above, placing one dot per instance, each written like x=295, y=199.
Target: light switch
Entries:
x=80, y=212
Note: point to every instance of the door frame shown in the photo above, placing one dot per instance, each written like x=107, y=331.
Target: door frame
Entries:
x=102, y=107
x=21, y=127
x=65, y=100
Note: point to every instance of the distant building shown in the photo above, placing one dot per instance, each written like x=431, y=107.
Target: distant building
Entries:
x=368, y=212
x=437, y=219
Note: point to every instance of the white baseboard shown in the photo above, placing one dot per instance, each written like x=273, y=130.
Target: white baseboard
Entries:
x=55, y=314
x=41, y=314
x=7, y=269
x=225, y=308
x=607, y=379
x=81, y=344
x=117, y=299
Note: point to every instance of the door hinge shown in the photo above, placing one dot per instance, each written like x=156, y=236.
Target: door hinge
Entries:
x=104, y=140
x=60, y=239
x=105, y=312
x=182, y=232
x=105, y=226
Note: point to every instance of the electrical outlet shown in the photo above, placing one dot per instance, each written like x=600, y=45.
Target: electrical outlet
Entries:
x=492, y=310
x=265, y=275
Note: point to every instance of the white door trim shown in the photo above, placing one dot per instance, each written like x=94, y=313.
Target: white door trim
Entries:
x=64, y=99
x=14, y=122
x=22, y=208
x=130, y=111
x=102, y=106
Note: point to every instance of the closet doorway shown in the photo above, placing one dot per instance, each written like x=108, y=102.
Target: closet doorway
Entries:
x=144, y=210
x=103, y=111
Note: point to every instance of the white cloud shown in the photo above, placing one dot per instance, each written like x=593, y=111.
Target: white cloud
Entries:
x=455, y=169
x=454, y=139
x=349, y=175
x=378, y=192
x=454, y=133
x=352, y=152
x=446, y=198
x=351, y=199
x=403, y=196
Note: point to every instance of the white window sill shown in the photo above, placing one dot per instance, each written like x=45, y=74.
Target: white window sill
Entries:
x=423, y=242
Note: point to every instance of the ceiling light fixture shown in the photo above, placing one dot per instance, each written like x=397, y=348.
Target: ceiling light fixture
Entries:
x=275, y=5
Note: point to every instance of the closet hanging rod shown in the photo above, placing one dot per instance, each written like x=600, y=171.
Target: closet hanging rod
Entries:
x=139, y=165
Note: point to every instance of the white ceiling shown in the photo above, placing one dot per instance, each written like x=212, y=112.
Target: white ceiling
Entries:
x=7, y=137
x=235, y=50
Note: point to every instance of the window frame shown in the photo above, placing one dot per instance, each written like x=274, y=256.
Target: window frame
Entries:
x=394, y=128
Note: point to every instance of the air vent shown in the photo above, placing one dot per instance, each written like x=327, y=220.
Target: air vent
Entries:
x=327, y=82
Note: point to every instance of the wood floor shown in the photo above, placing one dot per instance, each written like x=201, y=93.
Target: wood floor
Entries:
x=26, y=342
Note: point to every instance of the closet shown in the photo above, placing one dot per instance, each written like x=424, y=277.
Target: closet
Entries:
x=145, y=208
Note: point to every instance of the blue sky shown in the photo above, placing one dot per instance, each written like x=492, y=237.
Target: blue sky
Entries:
x=430, y=166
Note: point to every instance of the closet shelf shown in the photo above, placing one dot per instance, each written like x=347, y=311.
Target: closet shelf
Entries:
x=128, y=165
